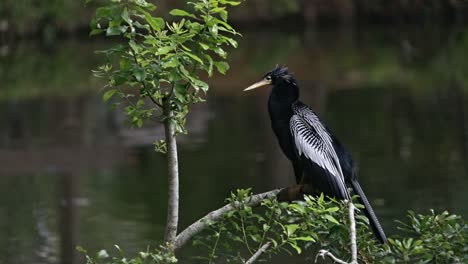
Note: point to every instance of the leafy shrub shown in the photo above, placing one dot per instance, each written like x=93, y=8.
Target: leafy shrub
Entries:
x=315, y=223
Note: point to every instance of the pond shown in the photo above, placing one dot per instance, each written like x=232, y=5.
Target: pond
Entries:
x=72, y=172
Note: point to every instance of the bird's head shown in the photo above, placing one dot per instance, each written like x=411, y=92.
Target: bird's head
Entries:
x=279, y=76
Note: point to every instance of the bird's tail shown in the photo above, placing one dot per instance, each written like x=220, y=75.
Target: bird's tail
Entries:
x=374, y=222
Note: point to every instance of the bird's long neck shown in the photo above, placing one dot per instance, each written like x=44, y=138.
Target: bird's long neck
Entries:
x=282, y=97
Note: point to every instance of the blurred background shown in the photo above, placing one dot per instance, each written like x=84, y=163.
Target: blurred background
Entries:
x=389, y=77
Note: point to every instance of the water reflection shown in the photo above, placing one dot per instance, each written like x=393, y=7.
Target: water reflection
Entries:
x=73, y=173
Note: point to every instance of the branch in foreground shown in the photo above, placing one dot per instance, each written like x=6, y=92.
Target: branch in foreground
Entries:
x=352, y=235
x=215, y=215
x=257, y=254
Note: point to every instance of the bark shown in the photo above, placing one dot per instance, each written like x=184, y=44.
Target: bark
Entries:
x=257, y=254
x=352, y=235
x=173, y=177
x=215, y=215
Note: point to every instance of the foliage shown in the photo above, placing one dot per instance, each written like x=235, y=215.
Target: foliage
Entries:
x=157, y=70
x=438, y=238
x=316, y=223
x=289, y=227
x=158, y=256
x=323, y=222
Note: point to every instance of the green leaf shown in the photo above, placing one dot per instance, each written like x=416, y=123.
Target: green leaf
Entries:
x=193, y=56
x=164, y=50
x=108, y=94
x=180, y=92
x=197, y=84
x=291, y=229
x=308, y=238
x=81, y=249
x=221, y=66
x=232, y=3
x=180, y=12
x=173, y=62
x=95, y=32
x=224, y=15
x=333, y=209
x=331, y=219
x=114, y=31
x=139, y=122
x=203, y=45
x=145, y=4
x=296, y=247
x=139, y=74
x=134, y=46
x=156, y=23
x=125, y=16
x=214, y=30
x=210, y=65
x=103, y=12
x=232, y=42
x=220, y=52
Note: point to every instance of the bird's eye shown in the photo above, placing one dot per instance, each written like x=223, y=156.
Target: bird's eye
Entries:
x=268, y=78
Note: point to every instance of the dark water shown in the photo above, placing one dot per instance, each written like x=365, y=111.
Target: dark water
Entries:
x=73, y=173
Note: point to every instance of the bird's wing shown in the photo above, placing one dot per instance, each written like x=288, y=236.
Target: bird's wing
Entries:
x=314, y=142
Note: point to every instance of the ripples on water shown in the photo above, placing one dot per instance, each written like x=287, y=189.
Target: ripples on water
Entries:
x=73, y=173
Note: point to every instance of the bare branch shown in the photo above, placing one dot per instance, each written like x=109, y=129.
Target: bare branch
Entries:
x=259, y=252
x=352, y=235
x=215, y=215
x=325, y=253
x=352, y=232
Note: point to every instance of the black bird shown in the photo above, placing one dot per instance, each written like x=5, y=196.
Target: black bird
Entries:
x=318, y=158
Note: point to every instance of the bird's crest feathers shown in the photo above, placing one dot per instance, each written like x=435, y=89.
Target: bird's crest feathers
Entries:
x=283, y=73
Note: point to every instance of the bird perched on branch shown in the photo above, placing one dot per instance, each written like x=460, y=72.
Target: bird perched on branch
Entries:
x=318, y=158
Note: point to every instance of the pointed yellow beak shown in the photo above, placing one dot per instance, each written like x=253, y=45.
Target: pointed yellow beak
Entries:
x=258, y=84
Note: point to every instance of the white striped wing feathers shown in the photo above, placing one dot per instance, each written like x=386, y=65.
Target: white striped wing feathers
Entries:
x=314, y=142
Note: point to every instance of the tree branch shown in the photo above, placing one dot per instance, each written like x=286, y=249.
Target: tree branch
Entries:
x=144, y=84
x=325, y=253
x=352, y=235
x=173, y=175
x=257, y=254
x=352, y=232
x=215, y=215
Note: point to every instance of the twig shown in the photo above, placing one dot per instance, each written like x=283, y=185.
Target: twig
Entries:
x=144, y=84
x=245, y=236
x=325, y=253
x=265, y=231
x=257, y=254
x=352, y=235
x=215, y=247
x=215, y=215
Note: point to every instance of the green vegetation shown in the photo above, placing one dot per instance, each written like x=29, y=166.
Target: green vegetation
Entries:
x=161, y=61
x=305, y=226
x=154, y=74
x=48, y=17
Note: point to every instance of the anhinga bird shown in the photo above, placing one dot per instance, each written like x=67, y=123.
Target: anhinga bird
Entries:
x=318, y=158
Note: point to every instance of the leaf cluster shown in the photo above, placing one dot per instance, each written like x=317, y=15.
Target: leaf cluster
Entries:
x=432, y=238
x=304, y=227
x=155, y=69
x=322, y=222
x=287, y=227
x=161, y=255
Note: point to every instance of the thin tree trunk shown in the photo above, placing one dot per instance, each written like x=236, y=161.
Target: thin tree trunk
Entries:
x=173, y=175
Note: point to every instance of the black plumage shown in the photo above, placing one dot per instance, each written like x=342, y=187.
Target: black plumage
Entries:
x=318, y=158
